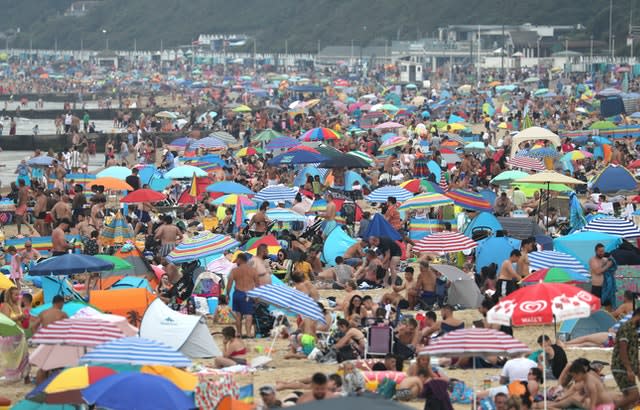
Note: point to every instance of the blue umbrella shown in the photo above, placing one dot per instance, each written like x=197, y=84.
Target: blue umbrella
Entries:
x=229, y=187
x=114, y=172
x=41, y=160
x=282, y=143
x=276, y=193
x=184, y=172
x=289, y=299
x=136, y=351
x=297, y=157
x=285, y=215
x=382, y=194
x=301, y=177
x=131, y=390
x=70, y=263
x=600, y=140
x=554, y=259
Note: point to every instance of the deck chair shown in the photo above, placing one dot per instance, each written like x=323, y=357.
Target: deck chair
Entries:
x=322, y=338
x=379, y=341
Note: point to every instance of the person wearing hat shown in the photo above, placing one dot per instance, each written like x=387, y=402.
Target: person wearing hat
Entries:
x=167, y=159
x=269, y=400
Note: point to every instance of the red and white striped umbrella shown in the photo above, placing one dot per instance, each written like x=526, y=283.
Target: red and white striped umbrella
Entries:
x=78, y=332
x=475, y=342
x=526, y=163
x=443, y=183
x=444, y=242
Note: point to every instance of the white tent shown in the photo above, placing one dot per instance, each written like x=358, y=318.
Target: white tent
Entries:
x=533, y=133
x=463, y=290
x=186, y=333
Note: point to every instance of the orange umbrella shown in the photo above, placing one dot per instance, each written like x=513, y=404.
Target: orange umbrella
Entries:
x=112, y=183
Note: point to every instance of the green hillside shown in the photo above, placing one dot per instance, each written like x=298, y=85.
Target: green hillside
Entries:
x=301, y=22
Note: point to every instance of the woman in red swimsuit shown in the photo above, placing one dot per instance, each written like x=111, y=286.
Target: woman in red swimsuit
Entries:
x=234, y=350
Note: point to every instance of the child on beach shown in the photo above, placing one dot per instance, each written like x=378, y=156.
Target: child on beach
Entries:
x=223, y=314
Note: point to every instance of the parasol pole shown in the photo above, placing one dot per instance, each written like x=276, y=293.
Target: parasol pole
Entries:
x=548, y=200
x=544, y=369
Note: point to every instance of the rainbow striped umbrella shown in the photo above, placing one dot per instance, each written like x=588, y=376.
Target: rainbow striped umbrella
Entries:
x=469, y=200
x=201, y=246
x=320, y=134
x=117, y=231
x=423, y=201
x=232, y=199
x=393, y=142
x=208, y=143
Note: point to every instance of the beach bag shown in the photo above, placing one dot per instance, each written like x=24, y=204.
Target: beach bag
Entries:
x=461, y=393
x=386, y=388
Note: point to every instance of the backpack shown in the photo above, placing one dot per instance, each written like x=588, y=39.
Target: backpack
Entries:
x=386, y=388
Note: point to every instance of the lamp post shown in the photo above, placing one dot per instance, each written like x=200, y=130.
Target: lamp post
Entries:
x=106, y=39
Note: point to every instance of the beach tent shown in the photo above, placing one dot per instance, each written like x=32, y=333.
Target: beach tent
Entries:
x=133, y=255
x=494, y=249
x=614, y=178
x=130, y=303
x=53, y=285
x=130, y=282
x=336, y=245
x=206, y=285
x=483, y=221
x=581, y=245
x=599, y=321
x=380, y=227
x=463, y=290
x=186, y=333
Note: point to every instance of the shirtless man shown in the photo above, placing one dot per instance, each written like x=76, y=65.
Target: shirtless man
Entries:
x=259, y=221
x=261, y=265
x=59, y=243
x=40, y=212
x=598, y=265
x=304, y=286
x=319, y=389
x=395, y=297
x=245, y=279
x=597, y=395
x=168, y=235
x=21, y=206
x=84, y=227
x=367, y=273
x=62, y=209
x=329, y=216
x=508, y=277
x=53, y=314
x=425, y=288
x=354, y=254
x=411, y=387
x=528, y=245
x=171, y=270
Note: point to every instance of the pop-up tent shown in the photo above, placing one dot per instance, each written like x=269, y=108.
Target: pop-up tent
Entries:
x=614, y=178
x=380, y=227
x=336, y=245
x=485, y=221
x=130, y=303
x=582, y=245
x=599, y=321
x=186, y=333
x=463, y=290
x=52, y=286
x=129, y=282
x=494, y=250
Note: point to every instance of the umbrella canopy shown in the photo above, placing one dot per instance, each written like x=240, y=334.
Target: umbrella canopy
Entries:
x=543, y=152
x=551, y=177
x=8, y=327
x=49, y=357
x=184, y=172
x=297, y=156
x=143, y=195
x=389, y=125
x=118, y=263
x=136, y=351
x=224, y=136
x=40, y=161
x=543, y=303
x=78, y=331
x=421, y=185
x=382, y=194
x=475, y=342
x=602, y=125
x=229, y=187
x=284, y=215
x=76, y=378
x=201, y=246
x=320, y=134
x=392, y=143
x=114, y=172
x=444, y=242
x=68, y=264
x=424, y=201
x=507, y=177
x=129, y=390
x=184, y=380
x=469, y=200
x=346, y=161
x=555, y=275
x=273, y=246
x=282, y=142
x=117, y=231
x=208, y=143
x=614, y=226
x=576, y=155
x=526, y=163
x=266, y=135
x=180, y=143
x=550, y=259
x=232, y=199
x=111, y=183
x=276, y=193
x=289, y=299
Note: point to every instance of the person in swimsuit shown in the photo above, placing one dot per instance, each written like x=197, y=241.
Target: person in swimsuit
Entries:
x=259, y=222
x=245, y=278
x=599, y=396
x=234, y=351
x=411, y=387
x=352, y=338
x=508, y=278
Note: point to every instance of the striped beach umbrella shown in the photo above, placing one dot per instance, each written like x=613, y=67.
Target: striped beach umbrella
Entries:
x=526, y=163
x=180, y=144
x=201, y=246
x=469, y=200
x=444, y=242
x=417, y=185
x=475, y=342
x=551, y=259
x=224, y=137
x=289, y=299
x=613, y=226
x=75, y=331
x=266, y=136
x=424, y=201
x=320, y=134
x=232, y=199
x=543, y=152
x=276, y=193
x=248, y=151
x=362, y=155
x=282, y=142
x=555, y=275
x=117, y=231
x=136, y=351
x=382, y=194
x=393, y=142
x=208, y=143
x=284, y=215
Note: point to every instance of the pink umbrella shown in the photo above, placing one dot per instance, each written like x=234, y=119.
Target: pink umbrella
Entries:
x=389, y=125
x=444, y=242
x=49, y=357
x=526, y=163
x=78, y=331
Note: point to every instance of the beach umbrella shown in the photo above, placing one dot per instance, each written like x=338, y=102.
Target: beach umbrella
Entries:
x=614, y=226
x=392, y=143
x=116, y=232
x=185, y=172
x=551, y=259
x=526, y=163
x=248, y=151
x=320, y=134
x=282, y=142
x=284, y=215
x=576, y=155
x=167, y=115
x=229, y=187
x=185, y=381
x=444, y=186
x=111, y=183
x=477, y=146
x=40, y=161
x=389, y=125
x=73, y=379
x=297, y=156
x=242, y=108
x=232, y=199
x=114, y=172
x=136, y=351
x=130, y=390
x=74, y=331
x=208, y=143
x=444, y=242
x=543, y=152
x=180, y=144
x=143, y=195
x=118, y=263
x=273, y=246
x=224, y=137
x=382, y=194
x=417, y=185
x=8, y=327
x=602, y=125
x=68, y=264
x=289, y=299
x=345, y=161
x=425, y=201
x=469, y=200
x=49, y=357
x=362, y=155
x=201, y=246
x=555, y=275
x=266, y=135
x=276, y=193
x=507, y=177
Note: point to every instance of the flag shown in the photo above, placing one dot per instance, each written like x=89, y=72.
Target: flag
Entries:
x=193, y=191
x=245, y=394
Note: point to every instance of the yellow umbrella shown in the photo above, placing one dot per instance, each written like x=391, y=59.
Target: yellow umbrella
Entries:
x=5, y=282
x=456, y=126
x=502, y=125
x=551, y=177
x=242, y=108
x=184, y=380
x=112, y=183
x=312, y=103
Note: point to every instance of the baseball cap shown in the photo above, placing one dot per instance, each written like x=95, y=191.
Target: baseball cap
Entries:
x=267, y=389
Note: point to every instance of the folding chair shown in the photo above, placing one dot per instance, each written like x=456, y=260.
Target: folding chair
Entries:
x=379, y=341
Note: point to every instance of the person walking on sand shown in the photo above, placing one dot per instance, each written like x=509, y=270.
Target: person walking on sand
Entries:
x=245, y=278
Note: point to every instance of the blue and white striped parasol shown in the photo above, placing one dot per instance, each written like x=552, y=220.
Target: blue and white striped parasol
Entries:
x=276, y=193
x=289, y=299
x=553, y=259
x=136, y=351
x=209, y=143
x=224, y=136
x=613, y=226
x=285, y=215
x=382, y=194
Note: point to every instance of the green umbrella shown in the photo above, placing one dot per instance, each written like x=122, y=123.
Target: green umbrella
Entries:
x=8, y=327
x=529, y=187
x=266, y=135
x=602, y=125
x=118, y=264
x=439, y=124
x=507, y=177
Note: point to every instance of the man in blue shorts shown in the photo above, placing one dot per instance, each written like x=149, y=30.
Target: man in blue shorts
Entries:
x=245, y=278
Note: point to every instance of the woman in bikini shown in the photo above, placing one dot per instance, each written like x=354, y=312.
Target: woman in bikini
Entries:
x=234, y=351
x=14, y=350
